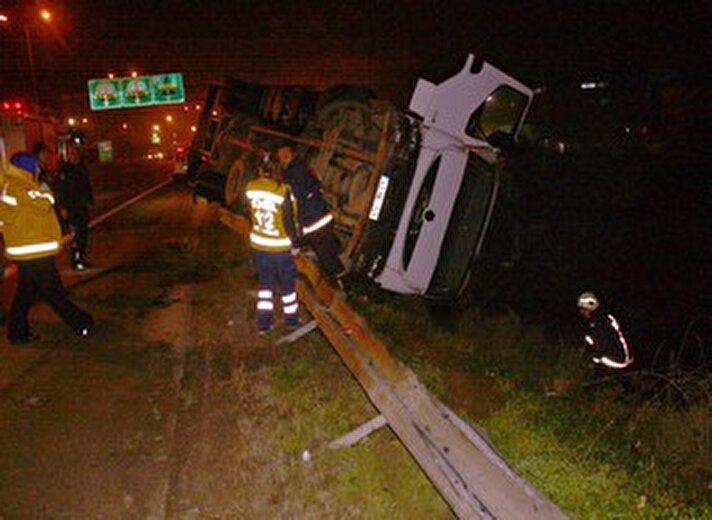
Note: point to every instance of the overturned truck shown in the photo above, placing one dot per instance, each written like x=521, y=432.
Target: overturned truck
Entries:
x=412, y=191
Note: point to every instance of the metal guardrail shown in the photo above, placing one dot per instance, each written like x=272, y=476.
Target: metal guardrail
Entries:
x=460, y=461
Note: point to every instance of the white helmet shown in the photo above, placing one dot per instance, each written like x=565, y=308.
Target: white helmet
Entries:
x=588, y=301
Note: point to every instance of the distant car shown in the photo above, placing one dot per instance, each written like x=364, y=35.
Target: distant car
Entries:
x=155, y=154
x=181, y=160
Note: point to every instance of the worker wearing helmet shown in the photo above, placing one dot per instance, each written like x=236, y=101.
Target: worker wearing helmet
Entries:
x=603, y=336
x=32, y=240
x=313, y=215
x=272, y=238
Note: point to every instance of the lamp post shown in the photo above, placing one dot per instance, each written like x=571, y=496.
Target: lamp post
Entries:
x=46, y=16
x=31, y=57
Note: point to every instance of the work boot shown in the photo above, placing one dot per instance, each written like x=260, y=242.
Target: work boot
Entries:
x=292, y=325
x=264, y=332
x=84, y=330
x=80, y=262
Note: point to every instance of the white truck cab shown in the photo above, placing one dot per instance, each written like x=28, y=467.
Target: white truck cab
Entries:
x=454, y=186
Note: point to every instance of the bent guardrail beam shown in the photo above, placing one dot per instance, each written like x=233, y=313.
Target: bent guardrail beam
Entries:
x=462, y=464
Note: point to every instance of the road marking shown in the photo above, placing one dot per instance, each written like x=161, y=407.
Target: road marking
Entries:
x=17, y=361
x=12, y=269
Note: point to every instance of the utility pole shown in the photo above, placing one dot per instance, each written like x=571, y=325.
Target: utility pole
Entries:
x=31, y=58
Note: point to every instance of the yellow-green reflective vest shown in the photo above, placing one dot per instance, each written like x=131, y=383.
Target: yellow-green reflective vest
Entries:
x=266, y=198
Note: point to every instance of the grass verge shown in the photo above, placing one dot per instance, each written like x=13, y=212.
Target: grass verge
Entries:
x=595, y=449
x=376, y=478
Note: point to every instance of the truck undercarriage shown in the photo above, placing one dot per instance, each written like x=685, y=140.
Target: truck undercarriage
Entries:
x=411, y=192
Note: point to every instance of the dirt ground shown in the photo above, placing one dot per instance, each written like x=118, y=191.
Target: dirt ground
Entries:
x=174, y=408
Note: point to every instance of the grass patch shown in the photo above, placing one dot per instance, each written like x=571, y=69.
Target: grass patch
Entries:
x=377, y=478
x=597, y=451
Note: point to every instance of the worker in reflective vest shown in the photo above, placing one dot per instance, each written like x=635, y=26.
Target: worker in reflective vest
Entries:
x=603, y=336
x=32, y=239
x=313, y=215
x=272, y=238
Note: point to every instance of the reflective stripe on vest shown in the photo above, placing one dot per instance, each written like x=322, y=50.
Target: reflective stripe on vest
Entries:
x=626, y=349
x=614, y=364
x=267, y=195
x=35, y=194
x=42, y=247
x=270, y=242
x=323, y=221
x=9, y=199
x=266, y=200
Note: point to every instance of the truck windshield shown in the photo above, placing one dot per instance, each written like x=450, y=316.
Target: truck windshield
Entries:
x=467, y=228
x=500, y=112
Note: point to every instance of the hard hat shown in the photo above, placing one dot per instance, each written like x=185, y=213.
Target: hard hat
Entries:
x=588, y=300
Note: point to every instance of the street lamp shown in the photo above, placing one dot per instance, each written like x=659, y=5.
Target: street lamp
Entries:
x=46, y=16
x=31, y=57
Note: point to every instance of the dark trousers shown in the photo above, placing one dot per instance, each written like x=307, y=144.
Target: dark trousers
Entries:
x=78, y=222
x=326, y=247
x=38, y=280
x=276, y=269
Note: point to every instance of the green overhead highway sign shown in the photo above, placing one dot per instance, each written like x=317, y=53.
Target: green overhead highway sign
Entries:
x=105, y=93
x=136, y=91
x=139, y=91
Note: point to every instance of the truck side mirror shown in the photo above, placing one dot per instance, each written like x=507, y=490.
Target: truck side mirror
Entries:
x=502, y=140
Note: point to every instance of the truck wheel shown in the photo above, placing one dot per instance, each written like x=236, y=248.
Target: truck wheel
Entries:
x=234, y=184
x=356, y=120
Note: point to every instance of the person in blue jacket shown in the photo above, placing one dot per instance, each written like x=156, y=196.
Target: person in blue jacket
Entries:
x=313, y=215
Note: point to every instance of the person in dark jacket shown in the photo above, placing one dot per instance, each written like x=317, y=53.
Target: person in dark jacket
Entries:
x=603, y=337
x=76, y=196
x=41, y=150
x=313, y=215
x=32, y=240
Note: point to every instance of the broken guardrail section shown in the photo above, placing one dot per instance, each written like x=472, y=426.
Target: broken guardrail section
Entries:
x=460, y=461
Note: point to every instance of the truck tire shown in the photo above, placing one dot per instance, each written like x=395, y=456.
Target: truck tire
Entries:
x=359, y=126
x=344, y=93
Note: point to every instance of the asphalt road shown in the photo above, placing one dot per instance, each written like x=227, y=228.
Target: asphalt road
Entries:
x=168, y=410
x=72, y=410
x=87, y=428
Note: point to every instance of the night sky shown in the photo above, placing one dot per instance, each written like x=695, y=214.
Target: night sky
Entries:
x=383, y=44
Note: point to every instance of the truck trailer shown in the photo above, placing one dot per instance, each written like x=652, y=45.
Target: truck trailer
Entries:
x=412, y=191
x=22, y=127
